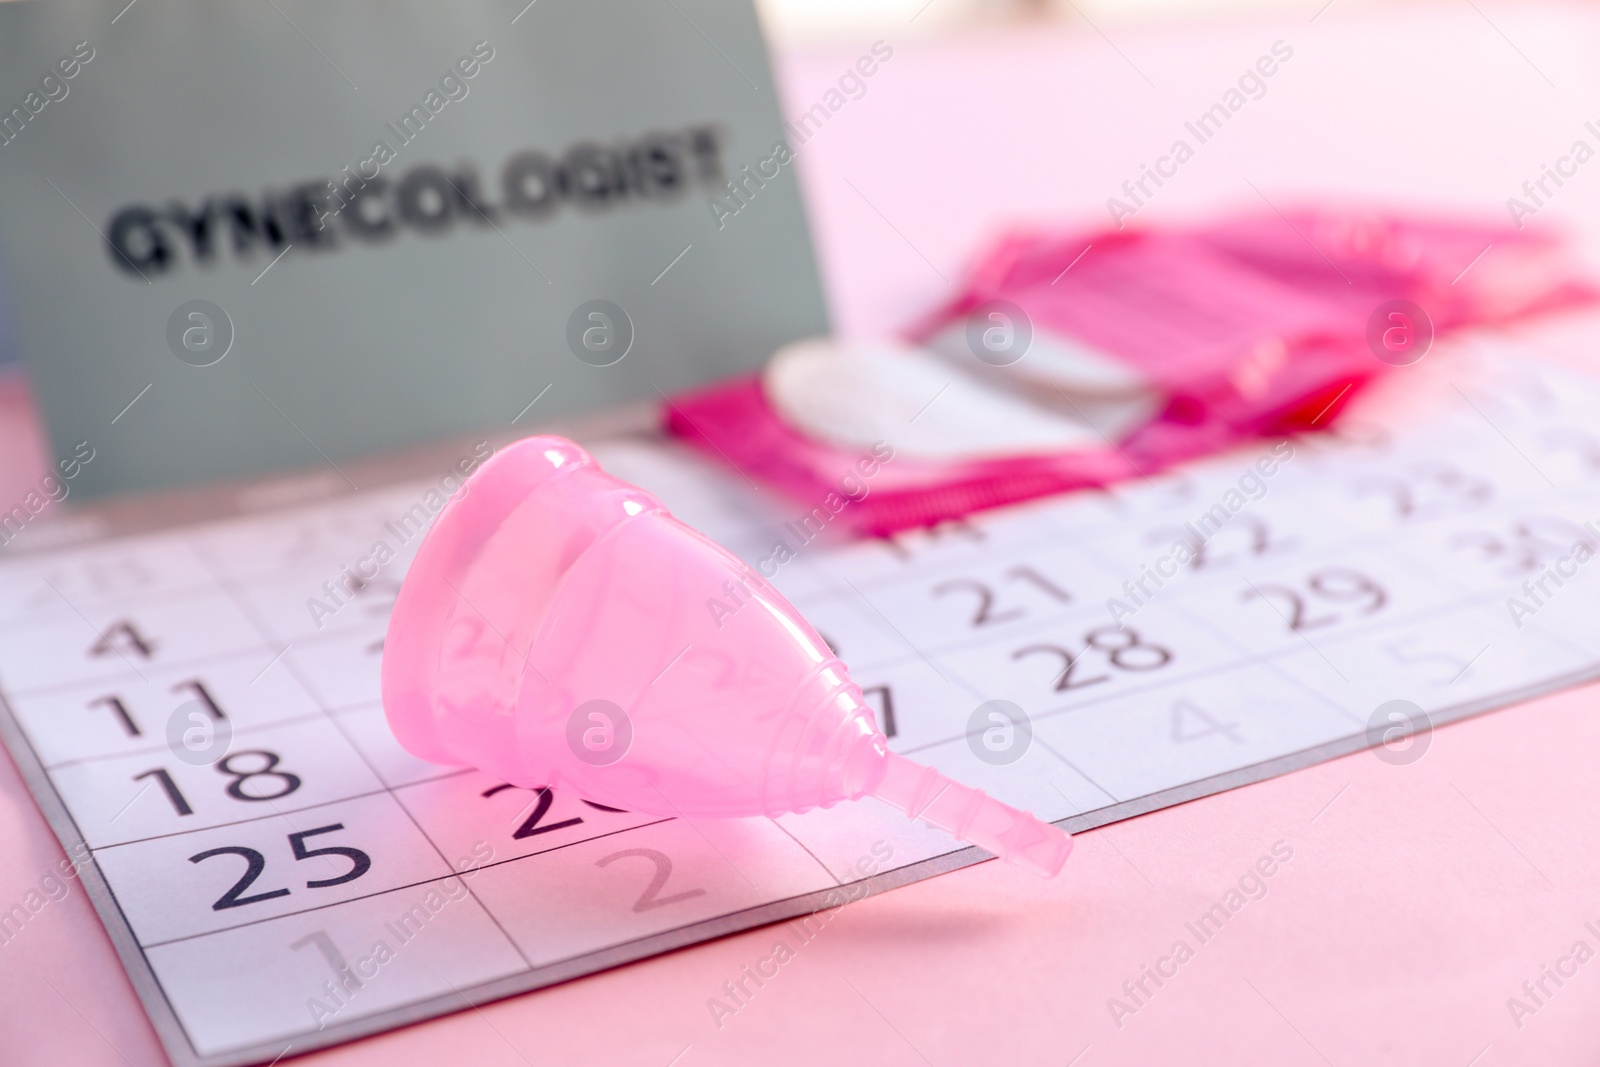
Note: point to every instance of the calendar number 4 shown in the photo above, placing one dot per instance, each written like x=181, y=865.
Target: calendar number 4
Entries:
x=122, y=638
x=1190, y=722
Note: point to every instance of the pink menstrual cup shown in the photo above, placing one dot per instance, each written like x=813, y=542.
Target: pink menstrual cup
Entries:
x=560, y=627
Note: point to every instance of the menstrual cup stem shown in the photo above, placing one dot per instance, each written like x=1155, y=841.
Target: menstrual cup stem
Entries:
x=973, y=816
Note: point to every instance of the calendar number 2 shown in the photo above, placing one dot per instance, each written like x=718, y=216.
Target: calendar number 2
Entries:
x=984, y=613
x=256, y=865
x=543, y=798
x=651, y=898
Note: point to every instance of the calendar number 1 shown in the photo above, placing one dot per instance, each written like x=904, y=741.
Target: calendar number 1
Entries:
x=884, y=712
x=130, y=725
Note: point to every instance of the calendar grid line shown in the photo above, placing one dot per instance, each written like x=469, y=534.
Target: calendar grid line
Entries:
x=99, y=634
x=335, y=708
x=113, y=679
x=454, y=873
x=1048, y=747
x=1352, y=543
x=1273, y=663
x=614, y=955
x=248, y=609
x=320, y=638
x=1132, y=690
x=186, y=594
x=1254, y=658
x=1262, y=659
x=806, y=849
x=1263, y=770
x=979, y=641
x=96, y=882
x=1395, y=507
x=1052, y=542
x=910, y=872
x=1249, y=657
x=154, y=748
x=435, y=846
x=1489, y=596
x=274, y=814
x=196, y=590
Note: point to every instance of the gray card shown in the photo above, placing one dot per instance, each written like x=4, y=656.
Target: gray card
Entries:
x=239, y=236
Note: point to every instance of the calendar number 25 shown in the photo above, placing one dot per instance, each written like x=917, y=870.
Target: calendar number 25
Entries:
x=256, y=865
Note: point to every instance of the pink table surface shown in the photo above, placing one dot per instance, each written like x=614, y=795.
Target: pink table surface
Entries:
x=1419, y=898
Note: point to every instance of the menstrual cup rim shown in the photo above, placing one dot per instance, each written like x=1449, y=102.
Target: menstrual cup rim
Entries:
x=414, y=638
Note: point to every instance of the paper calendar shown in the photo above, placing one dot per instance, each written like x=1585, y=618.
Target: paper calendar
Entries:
x=197, y=709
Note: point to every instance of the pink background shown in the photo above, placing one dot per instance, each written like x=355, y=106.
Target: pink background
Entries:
x=1419, y=898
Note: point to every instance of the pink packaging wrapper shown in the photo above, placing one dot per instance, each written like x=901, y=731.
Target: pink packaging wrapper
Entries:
x=1463, y=273
x=1254, y=327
